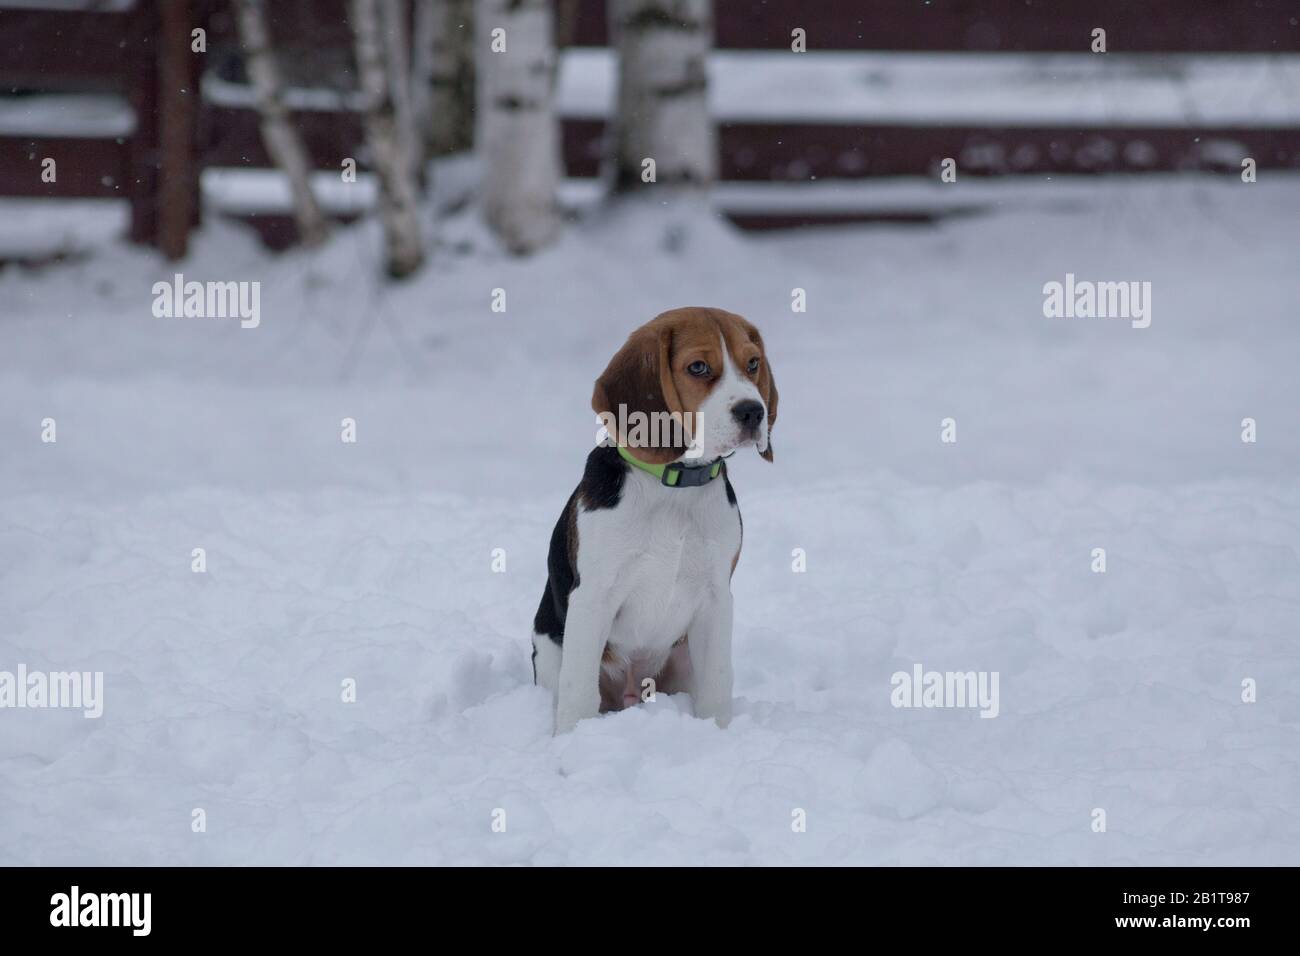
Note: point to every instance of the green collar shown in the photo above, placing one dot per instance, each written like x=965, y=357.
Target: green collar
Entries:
x=675, y=474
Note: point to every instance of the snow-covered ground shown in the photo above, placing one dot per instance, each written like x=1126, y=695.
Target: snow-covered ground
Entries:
x=374, y=561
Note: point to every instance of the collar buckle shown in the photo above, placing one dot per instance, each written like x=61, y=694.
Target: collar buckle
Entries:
x=677, y=475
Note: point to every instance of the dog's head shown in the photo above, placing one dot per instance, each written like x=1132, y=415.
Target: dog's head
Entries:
x=706, y=371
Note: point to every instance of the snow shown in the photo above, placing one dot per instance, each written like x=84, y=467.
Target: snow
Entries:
x=973, y=89
x=91, y=115
x=40, y=228
x=928, y=89
x=243, y=191
x=223, y=92
x=373, y=561
x=259, y=191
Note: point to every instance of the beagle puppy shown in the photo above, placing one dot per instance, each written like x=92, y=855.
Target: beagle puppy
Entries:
x=638, y=596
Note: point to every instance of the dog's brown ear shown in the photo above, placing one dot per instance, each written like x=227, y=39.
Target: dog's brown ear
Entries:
x=639, y=380
x=770, y=396
x=766, y=385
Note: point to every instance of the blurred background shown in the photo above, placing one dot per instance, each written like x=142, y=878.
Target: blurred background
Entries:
x=114, y=92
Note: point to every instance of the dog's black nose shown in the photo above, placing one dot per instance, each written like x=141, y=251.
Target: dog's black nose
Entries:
x=748, y=413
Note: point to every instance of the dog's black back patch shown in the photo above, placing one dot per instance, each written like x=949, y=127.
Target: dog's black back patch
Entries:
x=561, y=577
x=602, y=479
x=601, y=487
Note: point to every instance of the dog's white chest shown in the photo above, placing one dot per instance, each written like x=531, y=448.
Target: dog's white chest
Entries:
x=674, y=550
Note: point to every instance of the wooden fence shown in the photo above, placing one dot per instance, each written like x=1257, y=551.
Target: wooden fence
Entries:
x=138, y=54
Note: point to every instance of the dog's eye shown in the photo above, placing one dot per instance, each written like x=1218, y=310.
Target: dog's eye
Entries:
x=698, y=368
x=753, y=365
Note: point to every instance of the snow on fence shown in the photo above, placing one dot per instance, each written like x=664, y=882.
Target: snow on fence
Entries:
x=890, y=88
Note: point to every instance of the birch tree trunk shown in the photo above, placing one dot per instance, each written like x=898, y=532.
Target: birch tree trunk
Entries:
x=278, y=133
x=443, y=75
x=518, y=132
x=663, y=110
x=383, y=72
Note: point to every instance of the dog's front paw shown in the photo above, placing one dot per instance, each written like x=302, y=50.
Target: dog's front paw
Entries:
x=566, y=718
x=564, y=722
x=718, y=710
